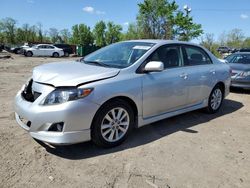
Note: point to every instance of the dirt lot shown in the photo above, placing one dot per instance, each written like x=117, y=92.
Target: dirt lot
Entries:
x=190, y=150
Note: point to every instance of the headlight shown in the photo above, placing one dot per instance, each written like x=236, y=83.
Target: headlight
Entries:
x=245, y=74
x=59, y=96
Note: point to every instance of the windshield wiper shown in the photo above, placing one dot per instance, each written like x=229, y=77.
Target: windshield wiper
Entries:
x=97, y=63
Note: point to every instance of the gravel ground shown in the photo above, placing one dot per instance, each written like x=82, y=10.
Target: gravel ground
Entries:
x=190, y=150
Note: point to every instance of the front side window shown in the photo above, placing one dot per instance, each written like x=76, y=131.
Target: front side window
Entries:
x=41, y=46
x=196, y=56
x=170, y=56
x=119, y=55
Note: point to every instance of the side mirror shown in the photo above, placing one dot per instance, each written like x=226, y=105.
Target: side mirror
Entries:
x=154, y=66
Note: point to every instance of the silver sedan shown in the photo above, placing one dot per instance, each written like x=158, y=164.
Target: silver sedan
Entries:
x=240, y=65
x=117, y=88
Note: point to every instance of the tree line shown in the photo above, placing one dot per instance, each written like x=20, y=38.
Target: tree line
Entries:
x=233, y=39
x=156, y=19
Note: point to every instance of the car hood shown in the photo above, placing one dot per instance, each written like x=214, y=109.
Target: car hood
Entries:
x=71, y=73
x=239, y=66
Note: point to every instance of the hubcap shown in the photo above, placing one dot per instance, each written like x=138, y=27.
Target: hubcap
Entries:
x=115, y=124
x=216, y=99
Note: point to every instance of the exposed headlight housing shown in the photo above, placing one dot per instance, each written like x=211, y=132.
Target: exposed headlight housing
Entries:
x=63, y=95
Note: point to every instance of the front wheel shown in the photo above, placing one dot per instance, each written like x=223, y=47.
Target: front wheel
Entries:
x=112, y=124
x=215, y=100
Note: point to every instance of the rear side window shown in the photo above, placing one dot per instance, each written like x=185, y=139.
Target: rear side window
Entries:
x=196, y=56
x=168, y=55
x=50, y=47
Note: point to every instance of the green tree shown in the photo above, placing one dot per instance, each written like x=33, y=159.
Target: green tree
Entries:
x=82, y=35
x=113, y=33
x=40, y=32
x=235, y=38
x=133, y=32
x=65, y=35
x=209, y=42
x=8, y=27
x=99, y=33
x=246, y=43
x=185, y=29
x=54, y=35
x=161, y=19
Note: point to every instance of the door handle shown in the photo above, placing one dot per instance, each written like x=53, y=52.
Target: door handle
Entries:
x=184, y=76
x=212, y=71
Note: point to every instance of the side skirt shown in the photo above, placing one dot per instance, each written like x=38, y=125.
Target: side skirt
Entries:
x=144, y=121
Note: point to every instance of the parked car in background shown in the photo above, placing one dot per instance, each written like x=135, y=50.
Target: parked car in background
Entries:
x=67, y=49
x=240, y=65
x=20, y=49
x=224, y=49
x=244, y=50
x=124, y=85
x=43, y=50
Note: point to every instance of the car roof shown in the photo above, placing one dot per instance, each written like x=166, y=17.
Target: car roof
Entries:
x=161, y=41
x=45, y=44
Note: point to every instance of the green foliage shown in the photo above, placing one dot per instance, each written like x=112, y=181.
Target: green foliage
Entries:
x=99, y=33
x=235, y=38
x=8, y=27
x=208, y=42
x=113, y=33
x=82, y=35
x=65, y=35
x=185, y=29
x=133, y=32
x=161, y=19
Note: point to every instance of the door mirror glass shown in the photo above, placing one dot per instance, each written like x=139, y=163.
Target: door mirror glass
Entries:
x=154, y=66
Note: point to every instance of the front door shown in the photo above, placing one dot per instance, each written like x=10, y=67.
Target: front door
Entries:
x=165, y=91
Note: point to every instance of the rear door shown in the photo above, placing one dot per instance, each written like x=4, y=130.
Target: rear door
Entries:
x=201, y=73
x=167, y=90
x=49, y=50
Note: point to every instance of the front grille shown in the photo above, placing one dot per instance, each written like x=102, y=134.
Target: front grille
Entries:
x=27, y=93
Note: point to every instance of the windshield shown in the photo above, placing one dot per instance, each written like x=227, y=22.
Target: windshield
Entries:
x=239, y=58
x=119, y=55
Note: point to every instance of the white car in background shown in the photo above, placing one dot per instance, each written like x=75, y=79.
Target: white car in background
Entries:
x=44, y=50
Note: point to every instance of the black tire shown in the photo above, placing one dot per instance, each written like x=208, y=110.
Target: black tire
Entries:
x=96, y=131
x=29, y=54
x=210, y=108
x=55, y=54
x=66, y=54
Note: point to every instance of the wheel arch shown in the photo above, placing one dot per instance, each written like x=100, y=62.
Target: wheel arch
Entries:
x=222, y=86
x=126, y=99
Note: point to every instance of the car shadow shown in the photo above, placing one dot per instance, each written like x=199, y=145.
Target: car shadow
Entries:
x=146, y=134
x=240, y=90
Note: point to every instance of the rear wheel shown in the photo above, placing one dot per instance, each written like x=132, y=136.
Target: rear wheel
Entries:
x=29, y=54
x=215, y=99
x=55, y=54
x=112, y=124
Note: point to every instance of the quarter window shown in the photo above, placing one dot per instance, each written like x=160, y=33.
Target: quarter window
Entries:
x=168, y=55
x=196, y=56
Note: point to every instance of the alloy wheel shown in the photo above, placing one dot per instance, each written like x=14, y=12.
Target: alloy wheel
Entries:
x=216, y=99
x=115, y=124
